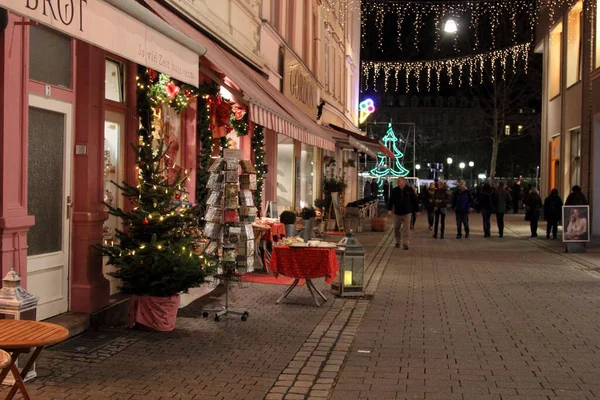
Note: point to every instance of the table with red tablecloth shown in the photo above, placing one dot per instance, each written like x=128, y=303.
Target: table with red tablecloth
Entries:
x=304, y=263
x=275, y=233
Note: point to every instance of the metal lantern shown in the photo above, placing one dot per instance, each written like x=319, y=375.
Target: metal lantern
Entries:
x=17, y=303
x=351, y=259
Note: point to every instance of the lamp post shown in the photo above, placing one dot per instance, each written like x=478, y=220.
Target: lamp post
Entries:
x=471, y=165
x=462, y=168
x=449, y=162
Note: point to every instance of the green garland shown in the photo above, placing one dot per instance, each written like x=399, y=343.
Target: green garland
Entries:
x=156, y=84
x=258, y=144
x=204, y=140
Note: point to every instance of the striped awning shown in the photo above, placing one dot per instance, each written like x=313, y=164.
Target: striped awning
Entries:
x=267, y=106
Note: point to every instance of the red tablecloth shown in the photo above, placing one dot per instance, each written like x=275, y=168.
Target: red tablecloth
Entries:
x=304, y=263
x=276, y=233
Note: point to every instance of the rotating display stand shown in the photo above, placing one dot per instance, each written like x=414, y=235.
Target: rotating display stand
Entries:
x=229, y=218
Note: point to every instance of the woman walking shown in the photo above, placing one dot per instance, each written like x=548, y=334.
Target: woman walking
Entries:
x=440, y=202
x=534, y=207
x=486, y=207
x=552, y=211
x=426, y=199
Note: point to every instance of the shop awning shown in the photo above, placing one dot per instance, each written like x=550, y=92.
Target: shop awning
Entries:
x=267, y=106
x=360, y=142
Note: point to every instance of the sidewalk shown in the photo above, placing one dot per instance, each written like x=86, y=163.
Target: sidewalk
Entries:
x=478, y=319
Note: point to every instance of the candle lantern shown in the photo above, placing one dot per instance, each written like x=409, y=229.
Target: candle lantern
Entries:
x=351, y=259
x=17, y=303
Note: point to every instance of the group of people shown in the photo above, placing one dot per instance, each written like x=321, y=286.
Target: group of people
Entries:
x=404, y=205
x=371, y=189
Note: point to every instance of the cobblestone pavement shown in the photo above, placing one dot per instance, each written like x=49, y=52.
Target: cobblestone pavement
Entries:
x=203, y=359
x=510, y=318
x=478, y=319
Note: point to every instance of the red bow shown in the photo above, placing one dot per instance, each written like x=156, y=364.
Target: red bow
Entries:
x=172, y=90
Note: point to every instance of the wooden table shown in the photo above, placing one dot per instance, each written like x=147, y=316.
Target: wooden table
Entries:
x=20, y=336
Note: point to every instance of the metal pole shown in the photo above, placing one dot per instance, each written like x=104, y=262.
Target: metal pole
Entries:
x=414, y=151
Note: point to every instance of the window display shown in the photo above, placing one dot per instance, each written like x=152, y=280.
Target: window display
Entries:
x=285, y=173
x=307, y=176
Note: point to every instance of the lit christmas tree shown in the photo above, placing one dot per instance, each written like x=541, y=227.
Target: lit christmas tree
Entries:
x=381, y=170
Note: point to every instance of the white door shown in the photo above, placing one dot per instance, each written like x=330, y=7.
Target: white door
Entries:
x=114, y=150
x=49, y=201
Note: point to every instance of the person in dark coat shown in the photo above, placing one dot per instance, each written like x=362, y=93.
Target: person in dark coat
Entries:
x=367, y=190
x=440, y=203
x=386, y=190
x=576, y=198
x=485, y=205
x=516, y=196
x=403, y=202
x=502, y=201
x=534, y=207
x=374, y=188
x=426, y=199
x=462, y=202
x=552, y=211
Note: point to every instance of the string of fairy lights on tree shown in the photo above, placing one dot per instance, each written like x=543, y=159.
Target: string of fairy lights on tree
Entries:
x=411, y=17
x=457, y=70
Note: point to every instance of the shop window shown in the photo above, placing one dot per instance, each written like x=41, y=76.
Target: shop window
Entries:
x=574, y=43
x=114, y=88
x=519, y=129
x=575, y=157
x=49, y=56
x=285, y=173
x=555, y=59
x=307, y=176
x=507, y=130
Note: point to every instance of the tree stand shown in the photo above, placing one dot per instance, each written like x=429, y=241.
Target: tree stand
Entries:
x=225, y=310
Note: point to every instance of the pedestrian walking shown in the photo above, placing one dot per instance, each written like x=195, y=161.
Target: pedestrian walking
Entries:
x=552, y=212
x=485, y=205
x=462, y=202
x=403, y=200
x=426, y=199
x=516, y=196
x=374, y=188
x=413, y=217
x=440, y=203
x=534, y=207
x=576, y=197
x=502, y=201
x=367, y=190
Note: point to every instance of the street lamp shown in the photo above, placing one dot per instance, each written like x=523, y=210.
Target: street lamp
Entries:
x=450, y=26
x=449, y=161
x=418, y=166
x=462, y=167
x=471, y=164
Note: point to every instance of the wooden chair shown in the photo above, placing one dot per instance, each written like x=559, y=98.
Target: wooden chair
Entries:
x=4, y=360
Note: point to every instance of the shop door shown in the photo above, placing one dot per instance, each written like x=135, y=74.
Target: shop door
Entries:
x=114, y=128
x=49, y=201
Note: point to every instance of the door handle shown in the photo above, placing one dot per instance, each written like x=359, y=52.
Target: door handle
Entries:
x=69, y=206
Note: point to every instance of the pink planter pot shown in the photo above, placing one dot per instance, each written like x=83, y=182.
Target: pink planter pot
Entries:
x=158, y=313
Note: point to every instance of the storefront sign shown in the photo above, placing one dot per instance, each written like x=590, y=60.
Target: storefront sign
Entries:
x=102, y=25
x=300, y=86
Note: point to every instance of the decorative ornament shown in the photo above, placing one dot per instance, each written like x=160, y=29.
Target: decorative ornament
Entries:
x=172, y=90
x=381, y=170
x=145, y=221
x=152, y=74
x=238, y=112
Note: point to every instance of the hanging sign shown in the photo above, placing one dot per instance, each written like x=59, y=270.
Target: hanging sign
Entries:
x=102, y=25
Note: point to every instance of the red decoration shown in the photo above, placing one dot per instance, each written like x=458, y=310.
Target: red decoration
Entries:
x=229, y=128
x=223, y=111
x=211, y=127
x=172, y=90
x=238, y=112
x=153, y=74
x=145, y=222
x=188, y=94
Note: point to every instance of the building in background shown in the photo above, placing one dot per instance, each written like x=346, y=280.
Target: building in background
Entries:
x=570, y=149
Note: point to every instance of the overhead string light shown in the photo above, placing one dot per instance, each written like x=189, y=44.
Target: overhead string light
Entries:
x=454, y=68
x=377, y=11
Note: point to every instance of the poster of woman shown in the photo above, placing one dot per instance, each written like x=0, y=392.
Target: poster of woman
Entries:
x=576, y=224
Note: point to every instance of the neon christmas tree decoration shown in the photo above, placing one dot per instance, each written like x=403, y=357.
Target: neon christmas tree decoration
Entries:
x=366, y=108
x=381, y=170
